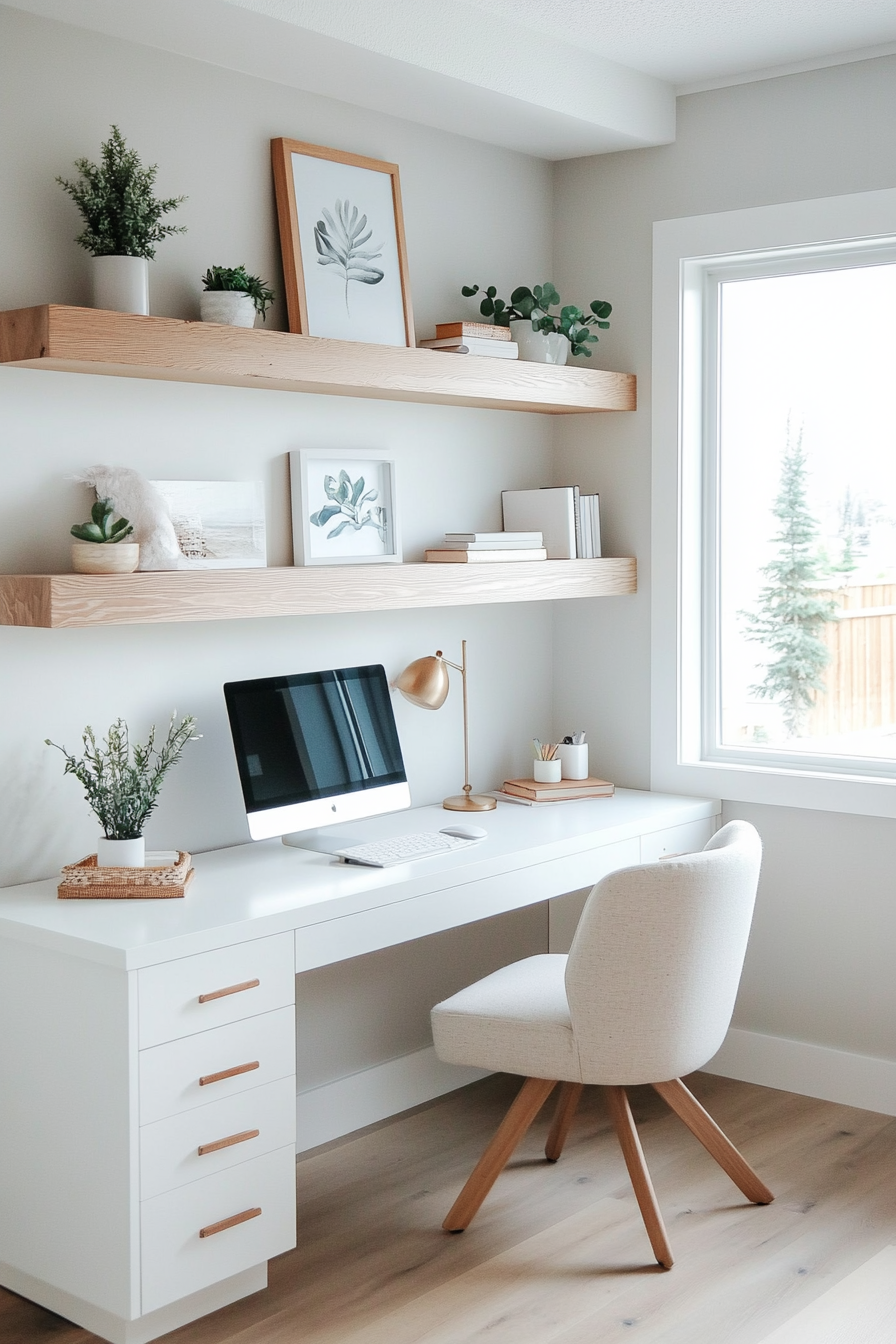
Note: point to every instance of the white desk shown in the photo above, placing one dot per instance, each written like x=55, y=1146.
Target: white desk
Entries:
x=110, y=1062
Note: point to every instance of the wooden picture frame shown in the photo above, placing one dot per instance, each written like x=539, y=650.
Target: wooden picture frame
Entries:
x=344, y=508
x=335, y=208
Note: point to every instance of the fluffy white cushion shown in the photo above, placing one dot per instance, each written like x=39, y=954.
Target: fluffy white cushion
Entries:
x=515, y=1021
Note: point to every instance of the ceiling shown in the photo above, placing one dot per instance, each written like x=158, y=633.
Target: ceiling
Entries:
x=554, y=78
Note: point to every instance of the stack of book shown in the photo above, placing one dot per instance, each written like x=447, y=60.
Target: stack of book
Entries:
x=473, y=338
x=531, y=793
x=468, y=548
x=569, y=520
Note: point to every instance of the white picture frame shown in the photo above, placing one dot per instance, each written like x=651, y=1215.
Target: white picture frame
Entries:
x=344, y=508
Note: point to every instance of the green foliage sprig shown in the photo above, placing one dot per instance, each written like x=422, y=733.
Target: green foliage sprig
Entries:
x=101, y=528
x=238, y=280
x=121, y=781
x=121, y=213
x=535, y=304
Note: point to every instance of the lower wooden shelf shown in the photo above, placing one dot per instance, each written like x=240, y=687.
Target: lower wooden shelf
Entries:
x=53, y=601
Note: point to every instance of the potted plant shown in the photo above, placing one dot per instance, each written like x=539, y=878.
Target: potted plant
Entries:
x=123, y=220
x=543, y=336
x=100, y=547
x=233, y=297
x=122, y=784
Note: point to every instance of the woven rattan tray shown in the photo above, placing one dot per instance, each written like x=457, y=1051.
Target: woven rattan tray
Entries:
x=84, y=881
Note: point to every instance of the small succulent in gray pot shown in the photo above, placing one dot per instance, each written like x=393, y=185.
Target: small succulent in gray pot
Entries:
x=232, y=297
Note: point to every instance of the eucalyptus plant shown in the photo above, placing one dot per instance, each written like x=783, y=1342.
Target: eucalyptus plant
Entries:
x=351, y=505
x=122, y=215
x=535, y=304
x=122, y=781
x=101, y=528
x=236, y=279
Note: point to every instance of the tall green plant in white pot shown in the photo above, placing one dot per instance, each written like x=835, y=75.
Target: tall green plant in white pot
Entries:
x=122, y=223
x=122, y=782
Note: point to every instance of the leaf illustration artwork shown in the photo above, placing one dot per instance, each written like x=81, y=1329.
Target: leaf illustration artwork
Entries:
x=352, y=505
x=340, y=243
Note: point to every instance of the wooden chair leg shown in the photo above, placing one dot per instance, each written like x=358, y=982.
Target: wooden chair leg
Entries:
x=629, y=1142
x=532, y=1096
x=717, y=1144
x=567, y=1102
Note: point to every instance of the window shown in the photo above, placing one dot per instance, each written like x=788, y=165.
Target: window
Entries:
x=775, y=504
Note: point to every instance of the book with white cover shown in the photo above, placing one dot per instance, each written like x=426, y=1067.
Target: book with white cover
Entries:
x=490, y=545
x=483, y=557
x=523, y=538
x=552, y=511
x=473, y=345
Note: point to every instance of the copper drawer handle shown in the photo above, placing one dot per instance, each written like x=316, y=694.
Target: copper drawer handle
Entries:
x=229, y=1222
x=231, y=989
x=229, y=1073
x=228, y=1142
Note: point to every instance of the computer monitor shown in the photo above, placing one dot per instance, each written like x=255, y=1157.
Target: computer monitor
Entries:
x=316, y=748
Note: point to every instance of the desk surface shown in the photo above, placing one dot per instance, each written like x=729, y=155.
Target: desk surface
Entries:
x=254, y=890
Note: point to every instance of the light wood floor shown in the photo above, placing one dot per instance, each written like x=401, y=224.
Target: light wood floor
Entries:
x=558, y=1254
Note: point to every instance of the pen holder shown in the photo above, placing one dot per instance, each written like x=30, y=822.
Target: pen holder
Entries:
x=573, y=760
x=546, y=772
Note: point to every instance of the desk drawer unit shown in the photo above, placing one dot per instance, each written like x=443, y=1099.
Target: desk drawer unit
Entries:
x=686, y=839
x=217, y=1226
x=209, y=1139
x=209, y=990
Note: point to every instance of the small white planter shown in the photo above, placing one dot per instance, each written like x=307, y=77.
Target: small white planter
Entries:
x=227, y=307
x=121, y=284
x=540, y=347
x=121, y=853
x=97, y=557
x=546, y=772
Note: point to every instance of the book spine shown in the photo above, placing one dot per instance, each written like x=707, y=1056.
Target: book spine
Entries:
x=484, y=330
x=521, y=538
x=444, y=556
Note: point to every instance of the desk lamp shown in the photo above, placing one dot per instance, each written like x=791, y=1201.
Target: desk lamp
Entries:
x=425, y=683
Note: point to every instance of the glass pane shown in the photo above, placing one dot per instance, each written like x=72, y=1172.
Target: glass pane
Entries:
x=807, y=513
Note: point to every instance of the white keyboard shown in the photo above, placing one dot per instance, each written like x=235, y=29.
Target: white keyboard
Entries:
x=402, y=849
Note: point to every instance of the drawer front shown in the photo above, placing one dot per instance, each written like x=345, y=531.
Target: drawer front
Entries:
x=171, y=1074
x=197, y=993
x=209, y=1139
x=176, y=1260
x=686, y=839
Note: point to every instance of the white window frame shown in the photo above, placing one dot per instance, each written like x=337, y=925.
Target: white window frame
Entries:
x=686, y=253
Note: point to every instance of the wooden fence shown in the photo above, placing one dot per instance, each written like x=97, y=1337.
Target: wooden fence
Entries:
x=860, y=679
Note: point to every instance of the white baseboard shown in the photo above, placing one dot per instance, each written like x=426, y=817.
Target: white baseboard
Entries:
x=813, y=1070
x=338, y=1108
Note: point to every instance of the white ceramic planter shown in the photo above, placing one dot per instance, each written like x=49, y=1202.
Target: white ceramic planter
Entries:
x=228, y=307
x=546, y=772
x=121, y=284
x=540, y=347
x=97, y=557
x=573, y=760
x=121, y=853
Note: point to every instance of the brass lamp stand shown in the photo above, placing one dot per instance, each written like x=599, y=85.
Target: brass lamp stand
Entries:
x=425, y=683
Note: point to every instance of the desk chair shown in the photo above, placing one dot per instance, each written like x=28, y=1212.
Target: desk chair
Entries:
x=645, y=995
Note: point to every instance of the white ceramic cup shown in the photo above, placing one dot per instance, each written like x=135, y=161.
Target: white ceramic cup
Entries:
x=546, y=772
x=573, y=760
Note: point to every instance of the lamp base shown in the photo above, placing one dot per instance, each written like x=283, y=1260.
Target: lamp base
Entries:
x=470, y=802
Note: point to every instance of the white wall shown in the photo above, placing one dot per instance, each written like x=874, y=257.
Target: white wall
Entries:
x=818, y=968
x=209, y=130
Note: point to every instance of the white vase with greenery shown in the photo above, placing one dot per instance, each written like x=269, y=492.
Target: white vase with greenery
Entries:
x=122, y=218
x=122, y=782
x=543, y=336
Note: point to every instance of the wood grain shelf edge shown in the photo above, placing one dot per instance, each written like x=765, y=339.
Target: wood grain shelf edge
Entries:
x=55, y=601
x=88, y=340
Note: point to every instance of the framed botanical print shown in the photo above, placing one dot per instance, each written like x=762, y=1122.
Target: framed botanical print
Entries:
x=343, y=508
x=343, y=245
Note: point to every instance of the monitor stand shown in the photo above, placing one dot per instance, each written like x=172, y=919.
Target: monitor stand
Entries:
x=325, y=841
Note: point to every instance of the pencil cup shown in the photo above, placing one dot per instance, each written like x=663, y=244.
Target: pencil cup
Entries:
x=573, y=760
x=546, y=772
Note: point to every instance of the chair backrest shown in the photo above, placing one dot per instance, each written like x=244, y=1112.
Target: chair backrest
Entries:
x=656, y=961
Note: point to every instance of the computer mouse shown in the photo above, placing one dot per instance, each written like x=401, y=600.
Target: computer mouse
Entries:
x=464, y=832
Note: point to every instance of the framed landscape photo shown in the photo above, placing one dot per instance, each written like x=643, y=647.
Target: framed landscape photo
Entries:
x=343, y=508
x=218, y=524
x=343, y=245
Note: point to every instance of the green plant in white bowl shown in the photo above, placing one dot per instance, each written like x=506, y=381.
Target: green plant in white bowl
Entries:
x=122, y=780
x=232, y=296
x=534, y=305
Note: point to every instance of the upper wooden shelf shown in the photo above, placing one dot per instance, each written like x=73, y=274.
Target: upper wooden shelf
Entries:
x=57, y=600
x=89, y=340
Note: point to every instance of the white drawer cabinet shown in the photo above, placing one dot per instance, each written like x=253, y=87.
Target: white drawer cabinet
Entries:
x=209, y=1139
x=213, y=988
x=184, y=1245
x=213, y=1064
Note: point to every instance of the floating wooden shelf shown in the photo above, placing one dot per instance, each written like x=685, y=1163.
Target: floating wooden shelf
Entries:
x=88, y=340
x=56, y=600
